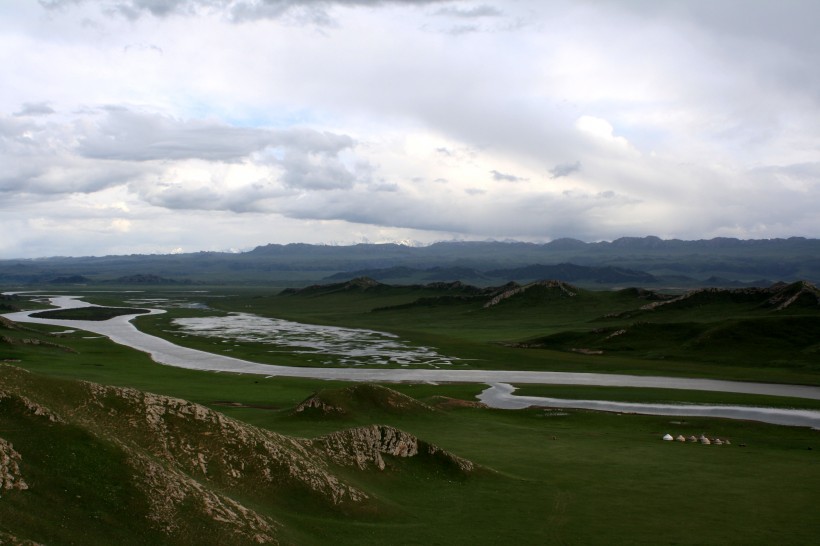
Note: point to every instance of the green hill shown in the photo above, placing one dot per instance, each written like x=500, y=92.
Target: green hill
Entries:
x=115, y=465
x=777, y=326
x=359, y=400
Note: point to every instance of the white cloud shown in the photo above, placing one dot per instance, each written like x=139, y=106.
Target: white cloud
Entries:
x=601, y=131
x=370, y=118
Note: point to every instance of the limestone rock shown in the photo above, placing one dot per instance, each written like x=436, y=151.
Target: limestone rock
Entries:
x=10, y=476
x=366, y=446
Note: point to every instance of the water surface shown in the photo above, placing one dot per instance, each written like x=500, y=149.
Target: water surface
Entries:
x=331, y=345
x=121, y=330
x=500, y=395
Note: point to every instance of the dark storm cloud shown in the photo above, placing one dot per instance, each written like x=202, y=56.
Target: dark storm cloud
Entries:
x=193, y=196
x=127, y=135
x=470, y=13
x=565, y=169
x=523, y=215
x=315, y=11
x=315, y=172
x=35, y=109
x=136, y=136
x=504, y=177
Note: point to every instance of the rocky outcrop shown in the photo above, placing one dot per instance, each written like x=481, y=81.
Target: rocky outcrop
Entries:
x=562, y=288
x=209, y=445
x=787, y=295
x=779, y=296
x=34, y=341
x=366, y=446
x=203, y=474
x=6, y=324
x=31, y=406
x=7, y=539
x=169, y=491
x=317, y=403
x=10, y=476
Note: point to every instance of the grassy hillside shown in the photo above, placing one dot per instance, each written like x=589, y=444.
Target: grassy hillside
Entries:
x=754, y=334
x=104, y=465
x=116, y=465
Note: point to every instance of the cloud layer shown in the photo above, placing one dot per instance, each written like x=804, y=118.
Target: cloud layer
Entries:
x=144, y=126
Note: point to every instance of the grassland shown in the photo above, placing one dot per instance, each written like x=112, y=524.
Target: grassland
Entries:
x=562, y=477
x=714, y=336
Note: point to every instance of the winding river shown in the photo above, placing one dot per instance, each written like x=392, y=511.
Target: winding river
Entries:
x=499, y=395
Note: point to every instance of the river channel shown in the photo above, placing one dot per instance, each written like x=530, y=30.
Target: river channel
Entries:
x=500, y=394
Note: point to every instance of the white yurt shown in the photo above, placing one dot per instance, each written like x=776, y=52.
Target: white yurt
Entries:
x=667, y=438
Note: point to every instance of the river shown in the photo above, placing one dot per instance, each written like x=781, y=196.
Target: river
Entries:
x=121, y=330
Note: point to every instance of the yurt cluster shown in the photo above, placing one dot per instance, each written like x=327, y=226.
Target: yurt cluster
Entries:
x=693, y=439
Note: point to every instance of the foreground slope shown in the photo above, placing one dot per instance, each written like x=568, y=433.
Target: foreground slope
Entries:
x=562, y=477
x=117, y=465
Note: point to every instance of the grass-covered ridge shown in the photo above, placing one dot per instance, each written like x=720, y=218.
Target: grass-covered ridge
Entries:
x=765, y=334
x=178, y=469
x=152, y=469
x=543, y=476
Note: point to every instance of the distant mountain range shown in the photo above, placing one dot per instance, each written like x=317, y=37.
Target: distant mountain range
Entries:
x=629, y=260
x=565, y=272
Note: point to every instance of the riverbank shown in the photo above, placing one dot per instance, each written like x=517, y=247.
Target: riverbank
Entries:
x=121, y=330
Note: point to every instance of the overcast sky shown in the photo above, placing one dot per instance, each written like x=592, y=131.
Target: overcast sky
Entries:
x=158, y=126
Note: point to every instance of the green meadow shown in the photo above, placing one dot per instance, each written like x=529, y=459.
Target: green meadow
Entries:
x=715, y=336
x=544, y=476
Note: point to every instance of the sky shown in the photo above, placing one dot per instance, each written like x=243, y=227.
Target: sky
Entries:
x=166, y=126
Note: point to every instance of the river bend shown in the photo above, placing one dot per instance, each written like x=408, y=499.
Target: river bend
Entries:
x=121, y=330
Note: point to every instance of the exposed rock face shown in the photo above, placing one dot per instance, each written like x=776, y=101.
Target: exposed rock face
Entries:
x=564, y=288
x=6, y=324
x=787, y=295
x=33, y=407
x=315, y=402
x=209, y=445
x=780, y=296
x=33, y=341
x=200, y=470
x=168, y=490
x=10, y=477
x=365, y=446
x=11, y=540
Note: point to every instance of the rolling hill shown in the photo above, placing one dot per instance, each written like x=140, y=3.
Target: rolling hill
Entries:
x=115, y=465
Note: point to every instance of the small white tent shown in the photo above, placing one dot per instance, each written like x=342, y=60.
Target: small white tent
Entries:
x=668, y=437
